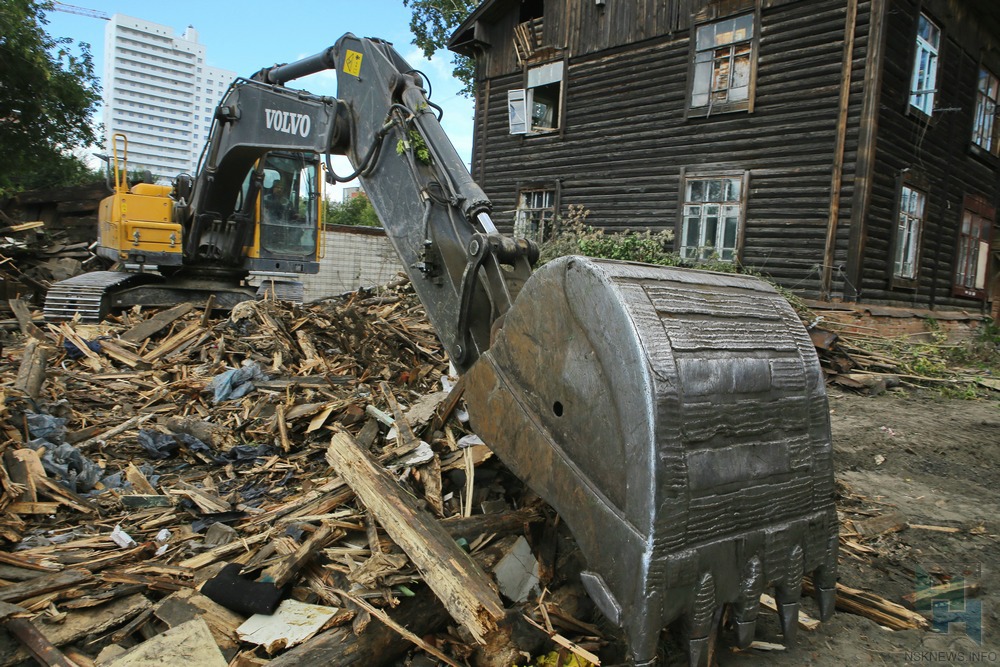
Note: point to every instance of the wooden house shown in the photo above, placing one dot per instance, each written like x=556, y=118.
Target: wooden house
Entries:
x=847, y=148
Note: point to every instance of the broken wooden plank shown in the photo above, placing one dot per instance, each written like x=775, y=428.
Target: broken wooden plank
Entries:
x=341, y=646
x=16, y=621
x=454, y=577
x=23, y=315
x=284, y=570
x=119, y=353
x=173, y=342
x=881, y=525
x=131, y=422
x=951, y=591
x=31, y=372
x=156, y=323
x=45, y=583
x=188, y=604
x=190, y=643
x=76, y=626
x=884, y=612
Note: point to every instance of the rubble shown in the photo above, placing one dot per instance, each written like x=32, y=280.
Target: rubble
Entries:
x=281, y=485
x=177, y=467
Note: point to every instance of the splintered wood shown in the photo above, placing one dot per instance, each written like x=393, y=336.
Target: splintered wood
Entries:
x=166, y=475
x=142, y=456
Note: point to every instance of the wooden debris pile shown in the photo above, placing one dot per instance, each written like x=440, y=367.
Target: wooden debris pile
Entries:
x=46, y=236
x=286, y=484
x=871, y=363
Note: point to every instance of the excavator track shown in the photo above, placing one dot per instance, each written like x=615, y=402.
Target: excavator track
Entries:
x=677, y=420
x=85, y=295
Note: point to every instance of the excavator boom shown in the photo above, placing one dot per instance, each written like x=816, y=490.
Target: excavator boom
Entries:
x=676, y=419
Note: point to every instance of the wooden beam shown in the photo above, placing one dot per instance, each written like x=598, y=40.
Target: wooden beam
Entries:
x=864, y=171
x=458, y=582
x=837, y=171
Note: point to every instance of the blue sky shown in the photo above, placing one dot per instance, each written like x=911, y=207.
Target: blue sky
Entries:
x=245, y=36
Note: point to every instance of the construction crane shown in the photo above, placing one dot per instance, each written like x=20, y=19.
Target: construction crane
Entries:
x=82, y=11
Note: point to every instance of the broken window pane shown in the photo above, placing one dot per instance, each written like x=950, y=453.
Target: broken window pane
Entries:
x=723, y=62
x=535, y=213
x=544, y=93
x=924, y=81
x=973, y=253
x=910, y=221
x=984, y=122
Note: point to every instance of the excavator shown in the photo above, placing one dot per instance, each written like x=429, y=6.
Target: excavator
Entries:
x=247, y=213
x=676, y=419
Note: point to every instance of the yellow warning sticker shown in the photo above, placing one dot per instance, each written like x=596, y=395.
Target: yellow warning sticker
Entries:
x=352, y=63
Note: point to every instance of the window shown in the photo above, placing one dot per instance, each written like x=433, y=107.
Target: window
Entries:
x=712, y=215
x=723, y=64
x=535, y=109
x=973, y=248
x=536, y=210
x=912, y=205
x=984, y=124
x=925, y=65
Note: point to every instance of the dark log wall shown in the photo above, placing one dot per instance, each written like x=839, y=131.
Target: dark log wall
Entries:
x=935, y=153
x=625, y=139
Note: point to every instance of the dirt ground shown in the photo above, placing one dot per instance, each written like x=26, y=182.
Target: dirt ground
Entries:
x=937, y=461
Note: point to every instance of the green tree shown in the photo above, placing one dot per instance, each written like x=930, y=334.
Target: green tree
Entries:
x=48, y=96
x=432, y=23
x=356, y=212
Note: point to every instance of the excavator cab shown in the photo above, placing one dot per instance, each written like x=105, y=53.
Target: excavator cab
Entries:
x=288, y=207
x=265, y=214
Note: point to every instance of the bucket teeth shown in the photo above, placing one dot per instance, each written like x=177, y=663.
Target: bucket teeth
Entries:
x=745, y=631
x=826, y=598
x=788, y=615
x=699, y=651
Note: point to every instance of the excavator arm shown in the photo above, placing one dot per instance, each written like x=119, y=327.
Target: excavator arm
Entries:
x=676, y=419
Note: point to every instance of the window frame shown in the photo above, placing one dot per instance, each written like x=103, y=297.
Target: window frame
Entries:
x=529, y=189
x=913, y=105
x=979, y=207
x=898, y=278
x=522, y=100
x=742, y=176
x=984, y=115
x=712, y=107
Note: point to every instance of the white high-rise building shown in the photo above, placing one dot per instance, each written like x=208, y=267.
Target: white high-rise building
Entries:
x=159, y=93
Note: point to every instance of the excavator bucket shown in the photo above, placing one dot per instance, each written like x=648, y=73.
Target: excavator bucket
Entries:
x=677, y=421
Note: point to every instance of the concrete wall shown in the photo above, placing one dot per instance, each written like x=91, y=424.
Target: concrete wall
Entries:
x=353, y=257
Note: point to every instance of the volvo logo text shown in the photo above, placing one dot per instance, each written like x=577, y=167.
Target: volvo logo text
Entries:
x=287, y=122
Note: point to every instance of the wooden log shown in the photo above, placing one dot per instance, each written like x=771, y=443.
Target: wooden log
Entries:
x=454, y=577
x=31, y=373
